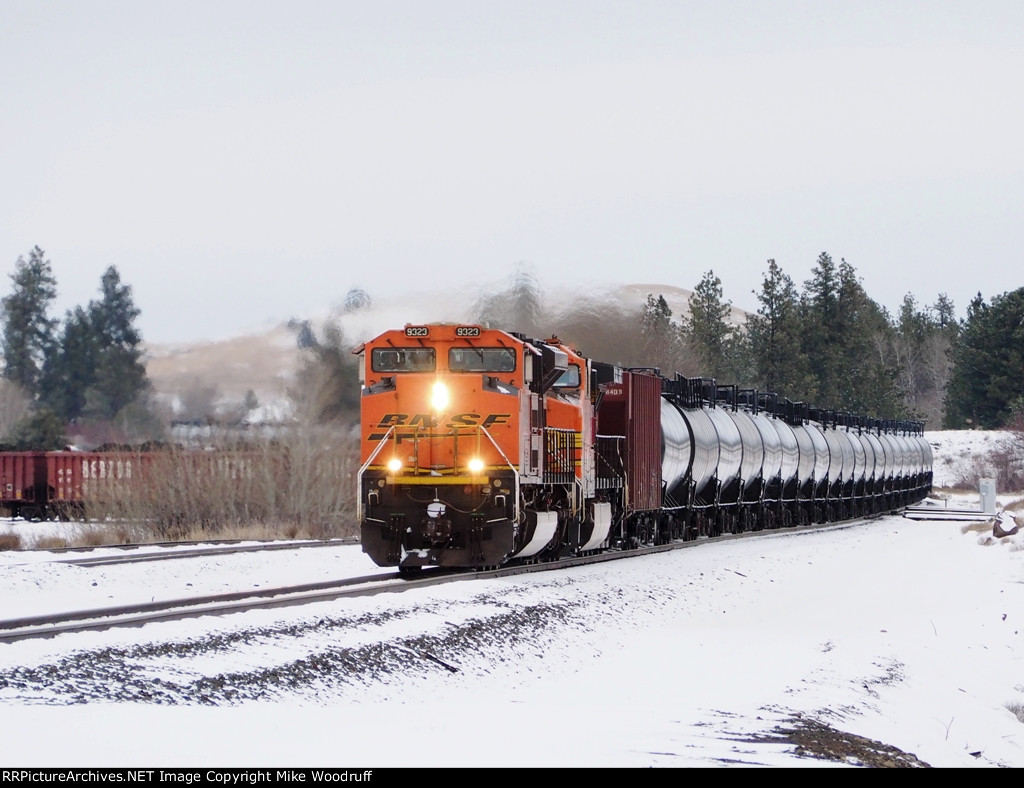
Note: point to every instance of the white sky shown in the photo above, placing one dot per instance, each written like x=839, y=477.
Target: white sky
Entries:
x=245, y=162
x=906, y=632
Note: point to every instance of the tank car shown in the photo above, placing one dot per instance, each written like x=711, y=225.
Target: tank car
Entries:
x=482, y=446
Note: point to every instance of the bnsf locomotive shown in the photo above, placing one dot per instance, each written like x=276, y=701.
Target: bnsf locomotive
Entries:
x=481, y=447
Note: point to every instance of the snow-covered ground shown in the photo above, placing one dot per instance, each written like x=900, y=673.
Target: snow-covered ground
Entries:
x=907, y=632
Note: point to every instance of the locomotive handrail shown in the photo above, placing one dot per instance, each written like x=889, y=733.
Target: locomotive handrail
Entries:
x=362, y=470
x=390, y=434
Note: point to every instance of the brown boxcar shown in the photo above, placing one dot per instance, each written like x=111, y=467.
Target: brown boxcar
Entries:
x=23, y=483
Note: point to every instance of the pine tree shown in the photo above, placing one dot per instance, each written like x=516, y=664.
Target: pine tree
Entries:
x=707, y=331
x=819, y=307
x=70, y=369
x=42, y=430
x=988, y=372
x=864, y=377
x=774, y=335
x=28, y=331
x=120, y=376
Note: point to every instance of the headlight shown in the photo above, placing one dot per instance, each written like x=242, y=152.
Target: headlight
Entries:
x=439, y=396
x=394, y=465
x=476, y=465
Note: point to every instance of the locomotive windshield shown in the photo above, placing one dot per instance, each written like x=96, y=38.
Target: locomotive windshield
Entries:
x=403, y=359
x=570, y=379
x=482, y=359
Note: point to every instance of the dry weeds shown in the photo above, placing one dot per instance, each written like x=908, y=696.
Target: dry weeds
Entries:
x=1004, y=463
x=296, y=487
x=52, y=543
x=302, y=485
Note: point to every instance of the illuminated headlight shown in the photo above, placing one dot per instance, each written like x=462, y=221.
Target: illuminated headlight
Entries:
x=476, y=465
x=439, y=396
x=394, y=465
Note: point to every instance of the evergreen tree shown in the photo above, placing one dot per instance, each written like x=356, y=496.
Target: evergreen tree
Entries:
x=945, y=314
x=28, y=331
x=819, y=309
x=846, y=337
x=864, y=378
x=42, y=430
x=120, y=374
x=707, y=330
x=778, y=363
x=988, y=371
x=70, y=369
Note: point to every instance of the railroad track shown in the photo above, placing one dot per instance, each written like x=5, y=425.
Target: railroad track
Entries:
x=134, y=615
x=198, y=552
x=139, y=614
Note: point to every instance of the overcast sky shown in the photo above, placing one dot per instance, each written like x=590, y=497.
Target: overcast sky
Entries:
x=245, y=162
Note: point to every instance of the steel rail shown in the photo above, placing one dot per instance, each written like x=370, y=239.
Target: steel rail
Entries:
x=135, y=615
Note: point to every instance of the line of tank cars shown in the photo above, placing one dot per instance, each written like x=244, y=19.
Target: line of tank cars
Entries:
x=481, y=447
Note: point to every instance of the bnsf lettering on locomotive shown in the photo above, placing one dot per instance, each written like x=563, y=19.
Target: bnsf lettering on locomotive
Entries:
x=405, y=420
x=426, y=421
x=467, y=331
x=417, y=331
